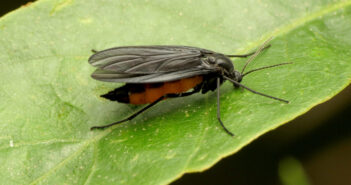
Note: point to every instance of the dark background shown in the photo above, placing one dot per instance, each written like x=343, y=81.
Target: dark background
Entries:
x=9, y=5
x=320, y=140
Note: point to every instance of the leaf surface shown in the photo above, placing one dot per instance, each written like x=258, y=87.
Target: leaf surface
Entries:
x=49, y=102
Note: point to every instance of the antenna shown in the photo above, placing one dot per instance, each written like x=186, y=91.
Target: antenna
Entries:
x=266, y=67
x=253, y=91
x=263, y=46
x=248, y=54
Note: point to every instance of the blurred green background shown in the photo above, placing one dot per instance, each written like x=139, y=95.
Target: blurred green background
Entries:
x=312, y=149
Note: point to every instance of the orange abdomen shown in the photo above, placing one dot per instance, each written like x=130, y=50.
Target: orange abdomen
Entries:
x=153, y=92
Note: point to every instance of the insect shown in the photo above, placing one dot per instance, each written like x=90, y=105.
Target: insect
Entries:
x=154, y=73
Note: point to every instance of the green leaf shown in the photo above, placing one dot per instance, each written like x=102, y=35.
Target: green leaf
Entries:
x=49, y=102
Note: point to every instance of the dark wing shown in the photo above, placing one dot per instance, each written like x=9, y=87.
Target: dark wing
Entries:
x=149, y=64
x=148, y=59
x=109, y=76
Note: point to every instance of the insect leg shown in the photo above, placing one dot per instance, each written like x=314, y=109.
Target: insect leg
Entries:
x=147, y=107
x=219, y=109
x=130, y=117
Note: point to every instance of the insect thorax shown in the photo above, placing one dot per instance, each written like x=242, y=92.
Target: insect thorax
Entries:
x=222, y=63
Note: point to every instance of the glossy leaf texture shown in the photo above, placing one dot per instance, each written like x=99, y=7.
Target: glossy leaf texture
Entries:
x=48, y=101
